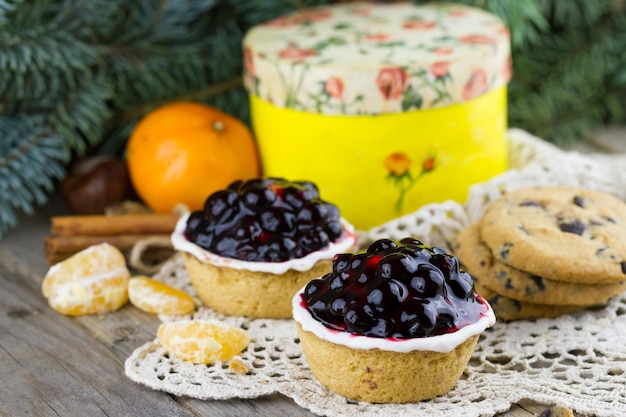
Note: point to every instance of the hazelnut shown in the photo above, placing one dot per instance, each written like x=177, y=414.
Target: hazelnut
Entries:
x=95, y=183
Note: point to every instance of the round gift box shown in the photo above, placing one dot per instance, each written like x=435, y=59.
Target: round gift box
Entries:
x=386, y=107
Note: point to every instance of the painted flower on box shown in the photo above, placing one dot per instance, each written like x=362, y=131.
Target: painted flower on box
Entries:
x=361, y=11
x=476, y=85
x=504, y=31
x=507, y=70
x=428, y=164
x=398, y=166
x=443, y=51
x=377, y=37
x=334, y=87
x=457, y=13
x=398, y=163
x=479, y=39
x=296, y=54
x=314, y=15
x=251, y=79
x=400, y=82
x=418, y=24
x=248, y=62
x=440, y=69
x=434, y=78
x=330, y=97
x=391, y=82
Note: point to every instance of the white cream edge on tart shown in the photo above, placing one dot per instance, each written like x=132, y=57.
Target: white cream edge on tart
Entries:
x=441, y=343
x=345, y=243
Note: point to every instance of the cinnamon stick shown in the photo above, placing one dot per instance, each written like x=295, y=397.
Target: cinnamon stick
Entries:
x=102, y=225
x=69, y=244
x=54, y=258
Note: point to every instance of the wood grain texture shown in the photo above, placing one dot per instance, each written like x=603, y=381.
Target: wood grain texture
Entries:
x=97, y=225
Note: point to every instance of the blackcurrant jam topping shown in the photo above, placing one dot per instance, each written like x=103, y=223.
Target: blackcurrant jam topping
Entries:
x=397, y=289
x=265, y=220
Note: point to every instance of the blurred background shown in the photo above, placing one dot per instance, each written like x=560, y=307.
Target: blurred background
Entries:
x=76, y=76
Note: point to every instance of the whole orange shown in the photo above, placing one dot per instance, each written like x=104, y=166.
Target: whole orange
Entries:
x=182, y=152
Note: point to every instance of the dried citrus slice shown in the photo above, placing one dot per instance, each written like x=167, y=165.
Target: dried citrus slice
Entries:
x=94, y=280
x=157, y=297
x=202, y=341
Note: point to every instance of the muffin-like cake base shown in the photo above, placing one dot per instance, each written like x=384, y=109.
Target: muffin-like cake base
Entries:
x=380, y=376
x=240, y=292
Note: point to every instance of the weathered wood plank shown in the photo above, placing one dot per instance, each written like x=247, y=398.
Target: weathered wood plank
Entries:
x=51, y=367
x=73, y=366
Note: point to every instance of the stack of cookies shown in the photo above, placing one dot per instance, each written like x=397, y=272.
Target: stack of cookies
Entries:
x=543, y=252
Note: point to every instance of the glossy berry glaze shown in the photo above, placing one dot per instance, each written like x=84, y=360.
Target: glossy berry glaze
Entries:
x=265, y=220
x=395, y=289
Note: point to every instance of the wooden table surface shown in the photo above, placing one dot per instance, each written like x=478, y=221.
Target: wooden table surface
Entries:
x=53, y=365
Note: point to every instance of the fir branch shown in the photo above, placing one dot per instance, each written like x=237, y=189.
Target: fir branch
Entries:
x=576, y=14
x=253, y=12
x=31, y=158
x=525, y=19
x=41, y=59
x=203, y=94
x=559, y=91
x=148, y=75
x=228, y=95
x=81, y=116
x=215, y=81
x=33, y=68
x=178, y=23
x=7, y=7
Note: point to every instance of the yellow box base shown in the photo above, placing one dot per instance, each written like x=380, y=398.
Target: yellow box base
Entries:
x=376, y=168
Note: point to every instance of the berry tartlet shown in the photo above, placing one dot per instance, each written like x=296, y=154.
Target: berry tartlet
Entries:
x=256, y=243
x=394, y=323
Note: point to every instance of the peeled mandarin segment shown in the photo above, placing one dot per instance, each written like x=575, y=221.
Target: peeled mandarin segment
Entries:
x=157, y=297
x=202, y=341
x=92, y=281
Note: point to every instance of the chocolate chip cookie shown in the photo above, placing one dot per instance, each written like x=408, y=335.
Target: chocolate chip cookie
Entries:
x=508, y=309
x=559, y=233
x=523, y=286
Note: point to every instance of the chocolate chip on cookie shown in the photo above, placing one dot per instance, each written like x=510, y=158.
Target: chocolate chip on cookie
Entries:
x=523, y=286
x=559, y=233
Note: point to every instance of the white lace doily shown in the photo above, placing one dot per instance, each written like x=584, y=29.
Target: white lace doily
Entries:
x=576, y=360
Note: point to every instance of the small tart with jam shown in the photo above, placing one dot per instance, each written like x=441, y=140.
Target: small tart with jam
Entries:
x=394, y=323
x=256, y=243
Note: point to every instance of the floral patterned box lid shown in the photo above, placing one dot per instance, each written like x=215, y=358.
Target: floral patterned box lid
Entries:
x=362, y=58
